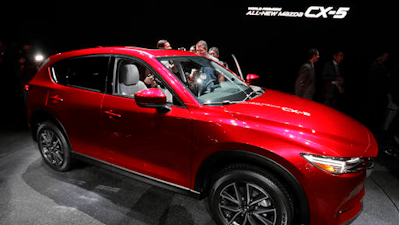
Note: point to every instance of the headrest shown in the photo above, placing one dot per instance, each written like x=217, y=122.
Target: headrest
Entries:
x=129, y=74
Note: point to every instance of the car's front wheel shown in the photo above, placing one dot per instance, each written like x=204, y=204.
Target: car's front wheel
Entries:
x=53, y=146
x=247, y=195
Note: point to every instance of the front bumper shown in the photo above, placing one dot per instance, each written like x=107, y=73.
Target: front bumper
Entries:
x=358, y=214
x=335, y=200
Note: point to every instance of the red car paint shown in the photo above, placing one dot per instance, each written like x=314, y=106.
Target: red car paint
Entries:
x=171, y=147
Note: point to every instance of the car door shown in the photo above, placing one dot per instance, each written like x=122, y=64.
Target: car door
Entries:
x=76, y=100
x=143, y=140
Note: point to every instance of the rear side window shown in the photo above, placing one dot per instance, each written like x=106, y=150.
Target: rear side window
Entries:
x=82, y=72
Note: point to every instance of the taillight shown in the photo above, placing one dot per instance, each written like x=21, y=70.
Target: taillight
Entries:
x=26, y=86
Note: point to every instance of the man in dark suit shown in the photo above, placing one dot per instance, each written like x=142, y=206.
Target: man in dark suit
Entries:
x=332, y=78
x=305, y=82
x=376, y=91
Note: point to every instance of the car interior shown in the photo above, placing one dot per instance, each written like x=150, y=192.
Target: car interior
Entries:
x=131, y=77
x=129, y=80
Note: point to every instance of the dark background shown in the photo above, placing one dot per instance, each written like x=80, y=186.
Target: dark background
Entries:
x=272, y=47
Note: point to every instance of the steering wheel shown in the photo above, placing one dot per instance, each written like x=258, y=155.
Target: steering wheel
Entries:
x=203, y=89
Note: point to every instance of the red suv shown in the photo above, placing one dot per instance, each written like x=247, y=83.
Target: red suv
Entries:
x=184, y=122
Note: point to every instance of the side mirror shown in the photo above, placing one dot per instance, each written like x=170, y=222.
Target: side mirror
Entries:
x=252, y=78
x=152, y=98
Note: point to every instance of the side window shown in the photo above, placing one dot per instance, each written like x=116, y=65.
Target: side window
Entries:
x=82, y=72
x=133, y=76
x=130, y=77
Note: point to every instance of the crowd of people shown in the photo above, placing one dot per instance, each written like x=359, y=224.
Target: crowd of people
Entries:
x=380, y=105
x=200, y=48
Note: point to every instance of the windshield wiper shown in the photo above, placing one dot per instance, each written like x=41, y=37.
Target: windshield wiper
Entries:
x=252, y=94
x=225, y=102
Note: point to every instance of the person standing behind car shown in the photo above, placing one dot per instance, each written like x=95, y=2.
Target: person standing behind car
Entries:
x=163, y=44
x=377, y=76
x=305, y=82
x=192, y=49
x=332, y=77
x=214, y=51
x=201, y=50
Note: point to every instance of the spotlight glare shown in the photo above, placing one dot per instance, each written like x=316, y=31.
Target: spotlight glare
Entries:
x=39, y=57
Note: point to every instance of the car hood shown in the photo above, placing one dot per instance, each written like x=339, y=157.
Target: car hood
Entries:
x=317, y=127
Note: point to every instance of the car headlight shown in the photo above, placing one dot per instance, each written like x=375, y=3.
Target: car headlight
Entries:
x=337, y=165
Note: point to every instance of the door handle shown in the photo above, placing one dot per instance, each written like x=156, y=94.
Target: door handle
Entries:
x=112, y=114
x=56, y=98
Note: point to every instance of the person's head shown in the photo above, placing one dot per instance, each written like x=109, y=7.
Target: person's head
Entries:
x=313, y=55
x=201, y=48
x=193, y=48
x=163, y=44
x=214, y=52
x=338, y=56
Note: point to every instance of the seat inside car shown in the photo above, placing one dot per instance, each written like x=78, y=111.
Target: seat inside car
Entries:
x=129, y=80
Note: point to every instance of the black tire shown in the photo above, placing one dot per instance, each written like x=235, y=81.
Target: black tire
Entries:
x=54, y=147
x=243, y=194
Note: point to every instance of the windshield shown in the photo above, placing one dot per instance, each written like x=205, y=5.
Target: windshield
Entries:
x=209, y=82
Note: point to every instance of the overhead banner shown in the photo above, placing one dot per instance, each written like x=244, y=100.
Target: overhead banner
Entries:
x=311, y=12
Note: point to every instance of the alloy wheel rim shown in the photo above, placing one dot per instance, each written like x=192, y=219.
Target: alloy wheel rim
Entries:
x=51, y=148
x=246, y=203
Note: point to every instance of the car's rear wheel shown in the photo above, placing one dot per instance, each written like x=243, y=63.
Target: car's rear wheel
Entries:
x=247, y=195
x=53, y=146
